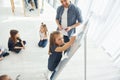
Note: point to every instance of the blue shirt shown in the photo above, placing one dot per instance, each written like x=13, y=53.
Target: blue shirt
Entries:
x=73, y=15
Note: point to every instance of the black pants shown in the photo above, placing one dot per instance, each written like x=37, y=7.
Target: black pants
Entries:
x=36, y=3
x=19, y=45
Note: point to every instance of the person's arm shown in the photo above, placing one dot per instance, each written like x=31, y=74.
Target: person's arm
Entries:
x=66, y=46
x=41, y=38
x=16, y=47
x=59, y=26
x=57, y=19
x=0, y=51
x=23, y=46
x=73, y=26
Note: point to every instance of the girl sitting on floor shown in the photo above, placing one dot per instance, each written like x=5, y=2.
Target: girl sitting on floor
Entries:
x=15, y=44
x=43, y=36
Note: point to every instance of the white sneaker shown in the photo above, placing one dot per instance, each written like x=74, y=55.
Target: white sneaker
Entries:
x=64, y=56
x=48, y=74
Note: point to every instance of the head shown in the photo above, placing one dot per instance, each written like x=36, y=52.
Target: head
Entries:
x=14, y=35
x=5, y=77
x=65, y=3
x=43, y=28
x=56, y=38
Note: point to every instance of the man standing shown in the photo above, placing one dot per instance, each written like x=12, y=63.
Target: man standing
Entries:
x=68, y=18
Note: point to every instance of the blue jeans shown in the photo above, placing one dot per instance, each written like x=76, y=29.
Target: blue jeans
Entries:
x=43, y=43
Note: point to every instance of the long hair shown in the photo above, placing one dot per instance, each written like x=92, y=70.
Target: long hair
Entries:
x=52, y=39
x=45, y=28
x=12, y=35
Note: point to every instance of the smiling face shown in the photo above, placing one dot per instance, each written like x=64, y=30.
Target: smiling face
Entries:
x=65, y=3
x=59, y=39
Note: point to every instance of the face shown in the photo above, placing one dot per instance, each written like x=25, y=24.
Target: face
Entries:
x=17, y=35
x=65, y=3
x=59, y=40
x=42, y=29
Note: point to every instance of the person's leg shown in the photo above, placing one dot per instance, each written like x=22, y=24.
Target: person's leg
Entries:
x=29, y=1
x=17, y=50
x=40, y=43
x=44, y=43
x=52, y=76
x=4, y=54
x=36, y=3
x=66, y=39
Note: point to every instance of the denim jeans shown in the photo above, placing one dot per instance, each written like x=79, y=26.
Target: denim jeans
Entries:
x=43, y=43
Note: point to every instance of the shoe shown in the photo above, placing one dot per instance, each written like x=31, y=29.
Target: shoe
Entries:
x=31, y=10
x=6, y=54
x=64, y=56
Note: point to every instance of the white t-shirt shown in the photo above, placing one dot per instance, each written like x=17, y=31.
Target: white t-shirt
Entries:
x=64, y=22
x=43, y=36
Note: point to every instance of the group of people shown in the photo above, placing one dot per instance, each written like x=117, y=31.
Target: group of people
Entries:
x=16, y=44
x=68, y=17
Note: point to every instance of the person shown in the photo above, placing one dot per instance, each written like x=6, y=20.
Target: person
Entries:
x=68, y=17
x=15, y=44
x=43, y=35
x=36, y=4
x=5, y=77
x=56, y=47
x=31, y=5
x=3, y=53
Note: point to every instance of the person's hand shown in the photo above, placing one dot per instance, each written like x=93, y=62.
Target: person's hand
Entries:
x=60, y=27
x=68, y=29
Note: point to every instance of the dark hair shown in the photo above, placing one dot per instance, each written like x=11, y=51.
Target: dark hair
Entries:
x=45, y=27
x=52, y=39
x=12, y=35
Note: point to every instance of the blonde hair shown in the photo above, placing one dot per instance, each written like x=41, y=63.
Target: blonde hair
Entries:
x=45, y=28
x=52, y=39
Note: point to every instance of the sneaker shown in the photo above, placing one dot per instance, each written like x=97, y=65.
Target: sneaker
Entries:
x=6, y=54
x=64, y=56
